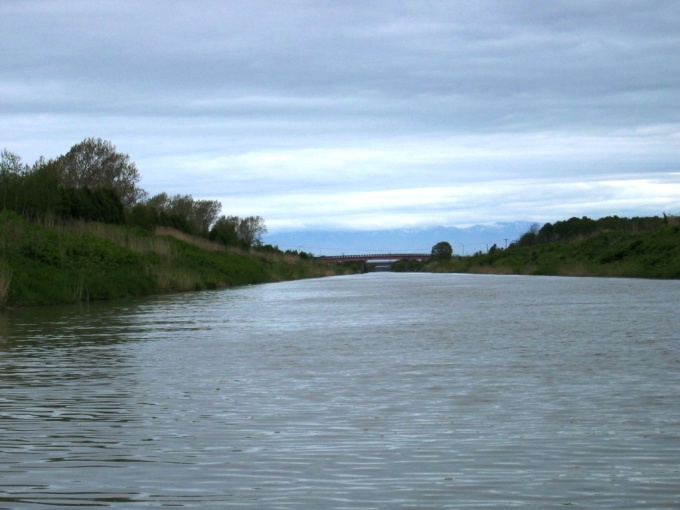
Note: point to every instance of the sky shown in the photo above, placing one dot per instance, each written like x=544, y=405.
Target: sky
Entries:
x=360, y=114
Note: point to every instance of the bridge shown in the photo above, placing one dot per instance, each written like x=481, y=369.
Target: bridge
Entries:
x=375, y=257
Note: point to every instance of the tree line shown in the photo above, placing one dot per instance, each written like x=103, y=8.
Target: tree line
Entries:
x=93, y=181
x=575, y=228
x=572, y=229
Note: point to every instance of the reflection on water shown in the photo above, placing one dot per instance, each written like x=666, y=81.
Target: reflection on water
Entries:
x=373, y=391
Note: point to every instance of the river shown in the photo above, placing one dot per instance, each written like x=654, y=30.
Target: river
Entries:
x=377, y=391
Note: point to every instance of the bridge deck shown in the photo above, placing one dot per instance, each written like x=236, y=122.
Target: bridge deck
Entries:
x=375, y=256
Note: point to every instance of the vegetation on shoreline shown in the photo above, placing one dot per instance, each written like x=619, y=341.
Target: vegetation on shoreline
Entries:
x=95, y=182
x=84, y=261
x=78, y=228
x=613, y=247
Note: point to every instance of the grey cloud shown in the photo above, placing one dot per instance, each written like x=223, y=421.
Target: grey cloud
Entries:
x=585, y=89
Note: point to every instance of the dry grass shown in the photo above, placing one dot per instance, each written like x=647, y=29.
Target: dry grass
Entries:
x=673, y=220
x=120, y=235
x=117, y=234
x=490, y=270
x=174, y=280
x=199, y=242
x=575, y=269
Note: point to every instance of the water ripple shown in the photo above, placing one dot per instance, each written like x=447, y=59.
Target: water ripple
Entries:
x=372, y=392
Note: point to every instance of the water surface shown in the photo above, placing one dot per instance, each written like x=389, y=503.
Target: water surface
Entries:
x=365, y=392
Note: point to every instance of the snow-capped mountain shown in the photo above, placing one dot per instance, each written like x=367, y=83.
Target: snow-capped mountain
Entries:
x=337, y=242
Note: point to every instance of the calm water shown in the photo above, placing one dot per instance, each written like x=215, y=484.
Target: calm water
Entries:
x=377, y=391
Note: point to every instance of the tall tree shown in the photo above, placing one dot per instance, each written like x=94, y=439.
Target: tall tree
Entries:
x=200, y=213
x=11, y=171
x=442, y=251
x=160, y=202
x=95, y=163
x=225, y=230
x=251, y=230
x=182, y=205
x=205, y=213
x=232, y=230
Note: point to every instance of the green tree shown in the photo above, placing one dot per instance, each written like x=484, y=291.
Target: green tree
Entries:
x=234, y=231
x=11, y=173
x=442, y=251
x=531, y=236
x=160, y=202
x=95, y=163
x=205, y=213
x=107, y=206
x=183, y=209
x=251, y=230
x=101, y=205
x=225, y=230
x=181, y=205
x=39, y=196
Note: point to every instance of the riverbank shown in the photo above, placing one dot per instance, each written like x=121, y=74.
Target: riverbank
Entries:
x=81, y=261
x=653, y=254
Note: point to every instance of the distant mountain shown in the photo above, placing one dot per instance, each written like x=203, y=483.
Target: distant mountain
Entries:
x=414, y=240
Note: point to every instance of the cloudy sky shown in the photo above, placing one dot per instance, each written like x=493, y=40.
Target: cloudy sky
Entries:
x=360, y=113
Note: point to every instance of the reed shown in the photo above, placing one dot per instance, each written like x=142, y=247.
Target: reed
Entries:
x=74, y=261
x=169, y=279
x=198, y=242
x=120, y=235
x=5, y=281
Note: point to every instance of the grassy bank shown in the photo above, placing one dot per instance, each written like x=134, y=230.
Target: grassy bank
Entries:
x=652, y=254
x=80, y=261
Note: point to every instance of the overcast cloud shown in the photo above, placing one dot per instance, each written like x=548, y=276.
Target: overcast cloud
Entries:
x=360, y=114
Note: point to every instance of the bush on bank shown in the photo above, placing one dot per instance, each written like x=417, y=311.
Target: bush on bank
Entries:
x=85, y=261
x=638, y=254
